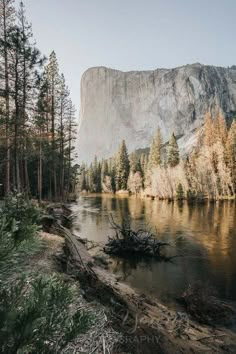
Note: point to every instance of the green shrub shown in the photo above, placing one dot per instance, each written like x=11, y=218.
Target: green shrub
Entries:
x=23, y=217
x=36, y=312
x=14, y=249
x=37, y=316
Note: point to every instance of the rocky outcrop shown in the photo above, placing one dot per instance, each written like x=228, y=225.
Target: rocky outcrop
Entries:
x=119, y=105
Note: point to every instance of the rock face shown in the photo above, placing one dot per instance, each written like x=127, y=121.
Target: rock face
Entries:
x=119, y=105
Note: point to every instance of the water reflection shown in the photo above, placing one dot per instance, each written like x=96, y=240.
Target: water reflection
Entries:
x=205, y=234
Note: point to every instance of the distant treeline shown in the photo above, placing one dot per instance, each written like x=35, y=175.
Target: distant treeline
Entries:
x=209, y=171
x=37, y=116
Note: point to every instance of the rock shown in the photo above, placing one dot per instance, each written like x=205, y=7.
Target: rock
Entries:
x=119, y=105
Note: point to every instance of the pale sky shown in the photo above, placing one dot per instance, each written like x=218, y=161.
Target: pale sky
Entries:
x=133, y=34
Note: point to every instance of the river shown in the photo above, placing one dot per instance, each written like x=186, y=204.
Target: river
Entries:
x=204, y=234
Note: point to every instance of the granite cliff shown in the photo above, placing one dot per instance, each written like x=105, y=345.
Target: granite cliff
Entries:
x=119, y=105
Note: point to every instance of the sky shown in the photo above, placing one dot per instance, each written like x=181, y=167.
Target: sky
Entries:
x=133, y=34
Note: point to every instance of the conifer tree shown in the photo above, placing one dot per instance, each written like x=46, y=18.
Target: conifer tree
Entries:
x=122, y=167
x=142, y=162
x=53, y=79
x=155, y=150
x=104, y=170
x=70, y=153
x=64, y=108
x=221, y=129
x=133, y=161
x=7, y=21
x=30, y=64
x=173, y=152
x=208, y=130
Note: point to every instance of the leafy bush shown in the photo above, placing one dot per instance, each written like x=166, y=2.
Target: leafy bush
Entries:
x=12, y=253
x=19, y=220
x=23, y=217
x=37, y=317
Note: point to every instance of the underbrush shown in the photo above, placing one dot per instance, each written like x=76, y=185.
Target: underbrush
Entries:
x=37, y=312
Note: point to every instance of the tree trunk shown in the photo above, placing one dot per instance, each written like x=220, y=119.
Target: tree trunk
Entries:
x=7, y=102
x=16, y=137
x=54, y=147
x=61, y=155
x=40, y=172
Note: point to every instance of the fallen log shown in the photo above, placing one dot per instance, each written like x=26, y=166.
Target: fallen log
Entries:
x=148, y=326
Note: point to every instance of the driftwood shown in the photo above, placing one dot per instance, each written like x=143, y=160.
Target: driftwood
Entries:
x=148, y=327
x=127, y=241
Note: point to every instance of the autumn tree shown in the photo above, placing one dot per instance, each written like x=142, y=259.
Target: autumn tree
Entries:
x=230, y=153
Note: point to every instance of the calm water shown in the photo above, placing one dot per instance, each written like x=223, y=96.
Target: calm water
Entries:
x=204, y=234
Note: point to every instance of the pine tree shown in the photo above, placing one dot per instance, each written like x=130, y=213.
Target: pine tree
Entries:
x=142, y=162
x=64, y=104
x=112, y=168
x=122, y=167
x=155, y=150
x=41, y=134
x=209, y=138
x=37, y=117
x=70, y=153
x=7, y=21
x=31, y=62
x=173, y=152
x=221, y=129
x=133, y=161
x=104, y=170
x=53, y=79
x=83, y=182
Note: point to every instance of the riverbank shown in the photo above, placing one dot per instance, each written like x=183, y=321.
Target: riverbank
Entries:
x=149, y=195
x=146, y=325
x=143, y=324
x=50, y=261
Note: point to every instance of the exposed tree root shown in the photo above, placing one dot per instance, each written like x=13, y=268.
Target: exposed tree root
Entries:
x=127, y=241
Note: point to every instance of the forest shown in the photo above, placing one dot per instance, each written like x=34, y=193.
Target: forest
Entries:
x=37, y=115
x=37, y=163
x=207, y=172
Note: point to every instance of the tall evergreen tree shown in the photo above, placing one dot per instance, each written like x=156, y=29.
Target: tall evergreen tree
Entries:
x=54, y=82
x=155, y=149
x=122, y=167
x=133, y=161
x=7, y=21
x=173, y=152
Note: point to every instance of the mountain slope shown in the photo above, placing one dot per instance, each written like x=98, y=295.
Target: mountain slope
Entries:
x=119, y=105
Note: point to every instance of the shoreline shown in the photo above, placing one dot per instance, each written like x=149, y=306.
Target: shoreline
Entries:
x=126, y=194
x=144, y=323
